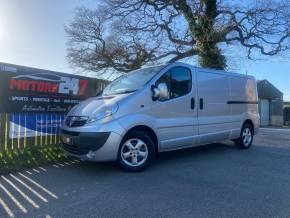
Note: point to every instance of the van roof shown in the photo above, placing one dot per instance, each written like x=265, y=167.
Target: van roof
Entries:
x=212, y=70
x=177, y=63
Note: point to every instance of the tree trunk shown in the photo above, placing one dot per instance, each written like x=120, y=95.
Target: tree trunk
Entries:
x=210, y=56
x=206, y=39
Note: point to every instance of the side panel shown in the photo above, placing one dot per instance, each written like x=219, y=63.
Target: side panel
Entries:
x=243, y=103
x=238, y=94
x=215, y=118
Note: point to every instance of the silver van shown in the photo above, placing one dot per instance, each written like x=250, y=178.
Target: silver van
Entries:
x=162, y=108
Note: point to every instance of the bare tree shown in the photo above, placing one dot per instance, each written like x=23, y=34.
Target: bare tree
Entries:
x=126, y=34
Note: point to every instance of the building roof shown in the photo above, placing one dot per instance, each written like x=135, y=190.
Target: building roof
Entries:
x=267, y=90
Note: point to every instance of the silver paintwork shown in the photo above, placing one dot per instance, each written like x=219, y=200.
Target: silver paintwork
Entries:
x=175, y=124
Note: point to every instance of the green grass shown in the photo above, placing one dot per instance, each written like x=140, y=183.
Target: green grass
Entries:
x=29, y=157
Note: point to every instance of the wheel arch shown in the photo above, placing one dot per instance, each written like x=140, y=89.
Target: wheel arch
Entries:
x=149, y=131
x=250, y=122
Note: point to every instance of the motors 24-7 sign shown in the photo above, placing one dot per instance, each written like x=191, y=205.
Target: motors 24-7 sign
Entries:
x=49, y=83
x=24, y=89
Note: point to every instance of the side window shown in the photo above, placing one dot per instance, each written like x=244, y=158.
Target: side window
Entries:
x=178, y=81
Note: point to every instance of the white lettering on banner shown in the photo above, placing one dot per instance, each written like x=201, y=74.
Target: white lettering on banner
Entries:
x=19, y=98
x=69, y=84
x=29, y=108
x=8, y=68
x=40, y=99
x=56, y=109
x=71, y=101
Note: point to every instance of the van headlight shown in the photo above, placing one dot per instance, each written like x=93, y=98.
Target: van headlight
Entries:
x=105, y=112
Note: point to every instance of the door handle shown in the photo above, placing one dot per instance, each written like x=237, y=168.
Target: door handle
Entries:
x=192, y=103
x=201, y=103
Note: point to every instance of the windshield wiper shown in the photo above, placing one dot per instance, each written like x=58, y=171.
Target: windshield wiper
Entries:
x=119, y=93
x=125, y=92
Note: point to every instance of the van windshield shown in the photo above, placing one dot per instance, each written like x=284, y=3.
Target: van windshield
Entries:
x=131, y=82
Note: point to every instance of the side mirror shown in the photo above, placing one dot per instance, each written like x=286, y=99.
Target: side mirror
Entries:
x=160, y=92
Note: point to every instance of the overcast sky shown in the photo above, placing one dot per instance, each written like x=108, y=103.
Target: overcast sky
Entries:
x=32, y=34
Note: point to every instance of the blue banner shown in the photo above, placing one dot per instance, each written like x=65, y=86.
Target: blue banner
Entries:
x=31, y=125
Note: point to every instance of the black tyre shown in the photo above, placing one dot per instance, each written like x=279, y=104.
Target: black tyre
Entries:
x=136, y=152
x=246, y=137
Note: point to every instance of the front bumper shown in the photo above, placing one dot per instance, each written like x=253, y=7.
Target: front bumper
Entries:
x=81, y=143
x=92, y=146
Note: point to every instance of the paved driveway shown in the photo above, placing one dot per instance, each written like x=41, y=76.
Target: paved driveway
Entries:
x=211, y=181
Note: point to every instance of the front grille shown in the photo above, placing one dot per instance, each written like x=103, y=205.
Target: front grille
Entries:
x=74, y=149
x=76, y=121
x=69, y=133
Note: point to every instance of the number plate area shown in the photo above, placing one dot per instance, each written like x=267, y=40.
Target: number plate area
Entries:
x=67, y=140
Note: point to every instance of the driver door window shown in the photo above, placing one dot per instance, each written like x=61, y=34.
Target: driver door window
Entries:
x=178, y=81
